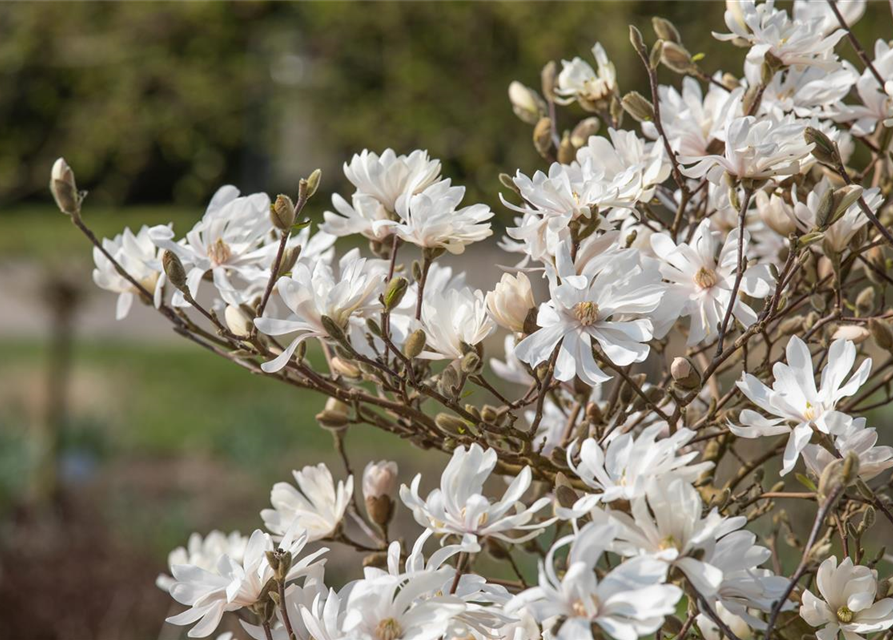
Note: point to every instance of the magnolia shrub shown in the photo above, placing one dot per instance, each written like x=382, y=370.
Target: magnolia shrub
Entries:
x=717, y=272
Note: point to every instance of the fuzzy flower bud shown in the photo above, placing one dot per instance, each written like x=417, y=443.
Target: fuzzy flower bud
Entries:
x=585, y=129
x=685, y=374
x=282, y=213
x=379, y=488
x=64, y=188
x=173, y=268
x=237, y=320
x=635, y=104
x=510, y=301
x=526, y=103
x=775, y=213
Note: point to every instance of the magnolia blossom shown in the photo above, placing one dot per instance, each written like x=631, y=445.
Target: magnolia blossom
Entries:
x=805, y=91
x=430, y=219
x=510, y=301
x=775, y=213
x=363, y=215
x=459, y=507
x=232, y=584
x=667, y=524
x=138, y=256
x=204, y=553
x=847, y=603
x=857, y=438
x=380, y=479
x=317, y=506
x=629, y=601
x=454, y=318
x=703, y=282
x=578, y=80
x=606, y=307
x=838, y=235
x=794, y=399
x=710, y=631
x=755, y=149
x=625, y=468
x=877, y=100
x=312, y=294
x=389, y=176
x=695, y=123
x=806, y=11
x=228, y=241
x=770, y=30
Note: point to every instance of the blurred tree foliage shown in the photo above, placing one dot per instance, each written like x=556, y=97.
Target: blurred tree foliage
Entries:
x=154, y=102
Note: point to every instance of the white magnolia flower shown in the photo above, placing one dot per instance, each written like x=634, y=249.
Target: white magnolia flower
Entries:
x=857, y=438
x=755, y=149
x=807, y=11
x=454, y=317
x=317, y=508
x=310, y=295
x=775, y=213
x=232, y=584
x=606, y=307
x=363, y=214
x=579, y=81
x=770, y=30
x=628, y=602
x=710, y=631
x=847, y=603
x=138, y=255
x=510, y=301
x=702, y=276
x=380, y=479
x=838, y=235
x=405, y=607
x=877, y=101
x=805, y=91
x=430, y=219
x=694, y=123
x=667, y=524
x=228, y=242
x=460, y=508
x=389, y=176
x=624, y=470
x=204, y=553
x=794, y=399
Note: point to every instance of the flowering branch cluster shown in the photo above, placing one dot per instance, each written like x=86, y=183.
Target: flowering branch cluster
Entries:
x=678, y=287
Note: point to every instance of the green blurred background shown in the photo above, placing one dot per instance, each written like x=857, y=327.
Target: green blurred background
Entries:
x=117, y=440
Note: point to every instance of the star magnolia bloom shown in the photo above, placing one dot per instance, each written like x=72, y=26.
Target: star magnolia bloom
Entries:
x=578, y=80
x=389, y=176
x=603, y=307
x=770, y=30
x=204, y=553
x=228, y=241
x=625, y=468
x=667, y=524
x=807, y=10
x=847, y=603
x=309, y=295
x=459, y=507
x=839, y=234
x=510, y=301
x=703, y=282
x=318, y=508
x=430, y=219
x=628, y=602
x=805, y=91
x=454, y=318
x=794, y=399
x=139, y=257
x=853, y=437
x=233, y=585
x=877, y=101
x=363, y=215
x=694, y=123
x=755, y=149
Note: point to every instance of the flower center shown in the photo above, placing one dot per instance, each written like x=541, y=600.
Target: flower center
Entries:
x=844, y=614
x=705, y=278
x=578, y=608
x=810, y=412
x=219, y=252
x=482, y=519
x=586, y=313
x=388, y=629
x=668, y=543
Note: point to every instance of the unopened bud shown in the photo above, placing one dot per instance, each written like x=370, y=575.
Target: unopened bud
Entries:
x=825, y=209
x=585, y=129
x=471, y=362
x=566, y=150
x=282, y=212
x=394, y=294
x=882, y=333
x=542, y=137
x=865, y=301
x=824, y=150
x=64, y=188
x=685, y=374
x=526, y=103
x=334, y=416
x=289, y=260
x=665, y=30
x=564, y=491
x=655, y=55
x=676, y=58
x=594, y=413
x=549, y=79
x=635, y=104
x=237, y=320
x=174, y=270
x=345, y=368
x=415, y=344
x=843, y=199
x=636, y=39
x=449, y=382
x=307, y=186
x=451, y=424
x=334, y=330
x=810, y=238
